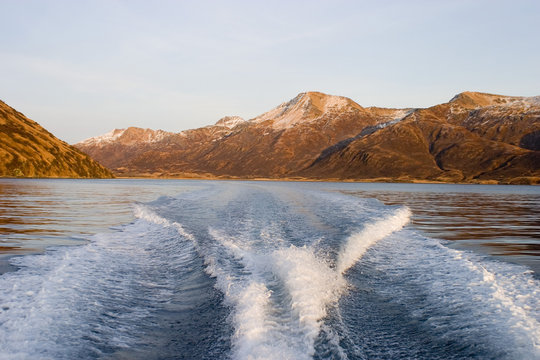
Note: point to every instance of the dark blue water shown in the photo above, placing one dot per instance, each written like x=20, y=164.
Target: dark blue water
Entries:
x=267, y=270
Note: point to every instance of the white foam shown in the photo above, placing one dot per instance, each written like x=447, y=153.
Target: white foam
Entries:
x=265, y=327
x=252, y=337
x=81, y=299
x=312, y=286
x=358, y=243
x=258, y=334
x=513, y=306
x=285, y=322
x=488, y=305
x=143, y=212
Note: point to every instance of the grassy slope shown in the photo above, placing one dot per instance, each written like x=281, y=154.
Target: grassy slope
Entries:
x=28, y=150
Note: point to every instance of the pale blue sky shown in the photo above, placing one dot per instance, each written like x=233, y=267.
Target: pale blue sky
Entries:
x=81, y=68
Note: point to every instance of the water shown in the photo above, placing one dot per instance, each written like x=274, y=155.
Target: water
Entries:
x=502, y=221
x=267, y=270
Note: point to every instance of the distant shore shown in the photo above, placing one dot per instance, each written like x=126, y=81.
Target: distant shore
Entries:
x=514, y=181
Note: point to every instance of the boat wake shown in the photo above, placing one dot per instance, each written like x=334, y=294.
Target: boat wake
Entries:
x=267, y=272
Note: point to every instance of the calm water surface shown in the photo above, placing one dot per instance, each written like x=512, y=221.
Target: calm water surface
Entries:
x=37, y=214
x=151, y=269
x=498, y=220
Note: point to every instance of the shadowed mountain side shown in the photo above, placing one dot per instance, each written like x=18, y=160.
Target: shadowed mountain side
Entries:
x=428, y=150
x=509, y=119
x=28, y=150
x=474, y=137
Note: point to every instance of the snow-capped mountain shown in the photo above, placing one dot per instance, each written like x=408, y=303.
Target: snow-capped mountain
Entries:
x=474, y=137
x=131, y=135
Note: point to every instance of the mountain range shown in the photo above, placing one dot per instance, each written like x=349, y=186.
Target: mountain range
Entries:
x=28, y=150
x=475, y=137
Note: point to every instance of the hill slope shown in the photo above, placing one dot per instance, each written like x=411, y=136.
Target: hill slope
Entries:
x=27, y=149
x=474, y=137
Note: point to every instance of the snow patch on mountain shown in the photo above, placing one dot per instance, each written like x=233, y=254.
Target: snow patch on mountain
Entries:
x=230, y=121
x=105, y=138
x=526, y=102
x=395, y=117
x=399, y=115
x=127, y=136
x=309, y=106
x=475, y=100
x=335, y=103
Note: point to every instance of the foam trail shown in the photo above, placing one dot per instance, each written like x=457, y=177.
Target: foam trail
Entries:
x=470, y=305
x=357, y=244
x=282, y=323
x=142, y=212
x=250, y=299
x=524, y=327
x=85, y=301
x=312, y=286
x=259, y=333
x=252, y=335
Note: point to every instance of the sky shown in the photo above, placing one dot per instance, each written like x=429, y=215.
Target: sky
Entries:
x=82, y=68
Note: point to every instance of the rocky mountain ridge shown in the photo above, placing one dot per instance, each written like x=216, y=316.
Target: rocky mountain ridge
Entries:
x=475, y=137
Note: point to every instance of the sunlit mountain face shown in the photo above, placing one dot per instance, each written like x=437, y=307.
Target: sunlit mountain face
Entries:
x=475, y=137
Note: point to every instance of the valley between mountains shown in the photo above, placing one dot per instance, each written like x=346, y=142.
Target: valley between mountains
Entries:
x=473, y=138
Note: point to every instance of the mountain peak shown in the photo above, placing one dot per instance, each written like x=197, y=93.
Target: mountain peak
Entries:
x=306, y=106
x=322, y=101
x=230, y=121
x=127, y=136
x=105, y=138
x=473, y=100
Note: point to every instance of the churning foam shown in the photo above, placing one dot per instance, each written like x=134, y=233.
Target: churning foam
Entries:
x=282, y=294
x=142, y=212
x=312, y=286
x=83, y=299
x=259, y=332
x=513, y=307
x=488, y=309
x=357, y=244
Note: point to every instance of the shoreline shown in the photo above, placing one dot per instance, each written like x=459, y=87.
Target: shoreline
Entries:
x=524, y=180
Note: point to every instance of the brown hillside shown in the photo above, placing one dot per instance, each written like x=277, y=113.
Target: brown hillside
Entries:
x=28, y=150
x=474, y=137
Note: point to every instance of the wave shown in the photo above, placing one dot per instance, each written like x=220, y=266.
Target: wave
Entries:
x=358, y=243
x=280, y=295
x=457, y=303
x=286, y=275
x=92, y=300
x=142, y=212
x=312, y=286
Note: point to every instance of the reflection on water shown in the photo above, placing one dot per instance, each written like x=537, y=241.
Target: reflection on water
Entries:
x=500, y=221
x=38, y=213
